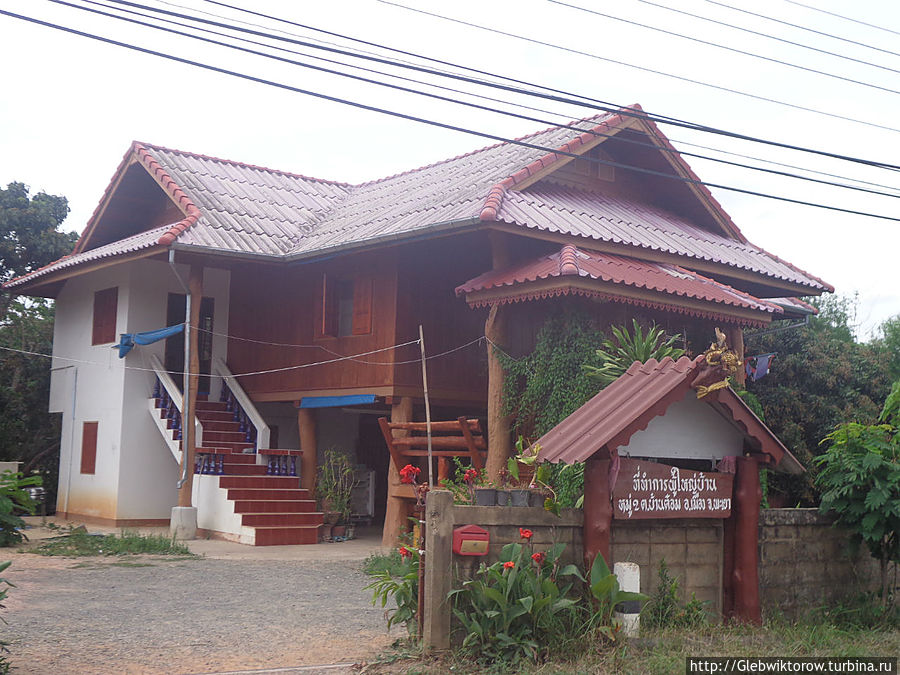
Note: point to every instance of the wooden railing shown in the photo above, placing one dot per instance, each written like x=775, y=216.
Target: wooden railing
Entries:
x=167, y=397
x=239, y=404
x=459, y=438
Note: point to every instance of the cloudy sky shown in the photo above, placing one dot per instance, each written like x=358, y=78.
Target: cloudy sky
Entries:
x=70, y=106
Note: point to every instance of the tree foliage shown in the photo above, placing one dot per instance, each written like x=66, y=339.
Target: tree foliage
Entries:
x=29, y=239
x=821, y=377
x=860, y=479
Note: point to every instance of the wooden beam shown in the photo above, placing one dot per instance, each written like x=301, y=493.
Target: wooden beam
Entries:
x=597, y=511
x=309, y=464
x=189, y=442
x=499, y=440
x=736, y=342
x=395, y=511
x=745, y=572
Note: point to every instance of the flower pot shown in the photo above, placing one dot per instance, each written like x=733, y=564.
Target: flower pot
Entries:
x=519, y=497
x=351, y=532
x=485, y=496
x=339, y=532
x=536, y=498
x=502, y=497
x=325, y=532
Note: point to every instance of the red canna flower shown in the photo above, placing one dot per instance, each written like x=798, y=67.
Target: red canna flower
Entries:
x=509, y=565
x=525, y=533
x=404, y=552
x=409, y=473
x=470, y=476
x=538, y=558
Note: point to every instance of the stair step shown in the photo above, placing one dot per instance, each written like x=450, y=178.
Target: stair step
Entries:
x=260, y=482
x=213, y=406
x=236, y=494
x=284, y=536
x=215, y=416
x=264, y=505
x=282, y=519
x=217, y=425
x=216, y=437
x=235, y=469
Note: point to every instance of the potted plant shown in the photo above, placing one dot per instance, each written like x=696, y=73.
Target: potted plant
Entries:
x=521, y=468
x=333, y=489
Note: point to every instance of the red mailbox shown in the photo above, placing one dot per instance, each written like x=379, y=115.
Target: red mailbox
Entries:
x=471, y=540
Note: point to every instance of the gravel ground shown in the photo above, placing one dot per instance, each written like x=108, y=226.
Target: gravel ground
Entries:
x=147, y=614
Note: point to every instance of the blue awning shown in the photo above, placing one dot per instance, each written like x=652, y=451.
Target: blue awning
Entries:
x=127, y=341
x=336, y=401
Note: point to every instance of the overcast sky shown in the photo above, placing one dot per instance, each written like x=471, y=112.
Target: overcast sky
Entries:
x=71, y=106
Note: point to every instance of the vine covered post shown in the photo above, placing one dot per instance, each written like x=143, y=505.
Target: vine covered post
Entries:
x=499, y=439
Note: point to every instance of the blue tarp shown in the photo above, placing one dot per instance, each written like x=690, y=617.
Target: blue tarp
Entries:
x=127, y=341
x=336, y=401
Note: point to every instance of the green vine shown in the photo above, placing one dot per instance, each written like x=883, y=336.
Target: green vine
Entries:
x=546, y=386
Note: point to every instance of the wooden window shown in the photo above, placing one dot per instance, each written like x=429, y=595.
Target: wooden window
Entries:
x=89, y=447
x=105, y=310
x=343, y=307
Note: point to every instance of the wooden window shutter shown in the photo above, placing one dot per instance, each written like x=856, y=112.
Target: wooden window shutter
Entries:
x=89, y=447
x=362, y=306
x=105, y=310
x=324, y=310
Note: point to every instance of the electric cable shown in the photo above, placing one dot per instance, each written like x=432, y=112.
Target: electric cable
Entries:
x=414, y=118
x=767, y=36
x=443, y=98
x=735, y=50
x=841, y=16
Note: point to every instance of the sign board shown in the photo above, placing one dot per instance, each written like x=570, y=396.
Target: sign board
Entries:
x=648, y=490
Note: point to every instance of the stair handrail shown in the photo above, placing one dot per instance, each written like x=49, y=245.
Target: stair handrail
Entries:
x=175, y=394
x=262, y=429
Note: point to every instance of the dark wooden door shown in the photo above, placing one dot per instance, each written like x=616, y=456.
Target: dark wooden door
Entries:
x=175, y=345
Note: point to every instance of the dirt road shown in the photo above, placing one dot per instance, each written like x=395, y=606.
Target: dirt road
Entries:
x=158, y=615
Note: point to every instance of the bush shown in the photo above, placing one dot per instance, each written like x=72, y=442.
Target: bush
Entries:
x=399, y=582
x=664, y=610
x=13, y=497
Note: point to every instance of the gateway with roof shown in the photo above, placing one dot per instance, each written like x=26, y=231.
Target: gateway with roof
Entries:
x=286, y=275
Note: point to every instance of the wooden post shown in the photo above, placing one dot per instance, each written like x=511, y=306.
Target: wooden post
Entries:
x=438, y=573
x=188, y=439
x=499, y=440
x=736, y=342
x=597, y=511
x=309, y=462
x=395, y=511
x=495, y=330
x=745, y=510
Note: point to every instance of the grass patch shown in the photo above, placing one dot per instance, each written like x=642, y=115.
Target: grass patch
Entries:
x=376, y=564
x=78, y=543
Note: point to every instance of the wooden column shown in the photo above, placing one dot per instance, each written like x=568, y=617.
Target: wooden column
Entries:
x=438, y=569
x=736, y=342
x=499, y=441
x=395, y=512
x=309, y=462
x=188, y=439
x=597, y=511
x=745, y=511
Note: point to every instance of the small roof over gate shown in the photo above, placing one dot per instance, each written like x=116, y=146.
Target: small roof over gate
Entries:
x=645, y=391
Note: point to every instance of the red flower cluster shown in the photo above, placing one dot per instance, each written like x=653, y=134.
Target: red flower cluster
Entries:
x=470, y=476
x=509, y=565
x=404, y=552
x=538, y=558
x=525, y=534
x=409, y=473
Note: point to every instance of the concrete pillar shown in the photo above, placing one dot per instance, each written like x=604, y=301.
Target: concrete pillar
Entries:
x=597, y=511
x=183, y=522
x=188, y=442
x=745, y=511
x=628, y=575
x=306, y=424
x=395, y=512
x=438, y=572
x=499, y=441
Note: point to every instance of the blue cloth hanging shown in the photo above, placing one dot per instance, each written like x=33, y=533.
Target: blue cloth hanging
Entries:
x=127, y=341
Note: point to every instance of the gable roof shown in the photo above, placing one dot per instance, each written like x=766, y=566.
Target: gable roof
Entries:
x=590, y=273
x=645, y=391
x=235, y=208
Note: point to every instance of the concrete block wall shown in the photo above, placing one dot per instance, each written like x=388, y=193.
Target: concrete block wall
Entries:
x=805, y=562
x=692, y=550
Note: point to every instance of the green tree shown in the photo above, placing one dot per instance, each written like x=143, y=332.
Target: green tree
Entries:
x=29, y=239
x=860, y=479
x=890, y=342
x=821, y=377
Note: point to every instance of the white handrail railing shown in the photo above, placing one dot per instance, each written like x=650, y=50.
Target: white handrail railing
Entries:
x=169, y=384
x=262, y=429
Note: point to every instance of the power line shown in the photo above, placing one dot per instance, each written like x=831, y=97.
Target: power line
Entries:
x=799, y=27
x=735, y=50
x=770, y=37
x=841, y=16
x=446, y=99
x=681, y=78
x=408, y=117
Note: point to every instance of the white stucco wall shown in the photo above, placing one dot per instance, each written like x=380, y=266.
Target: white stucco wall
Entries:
x=136, y=472
x=689, y=429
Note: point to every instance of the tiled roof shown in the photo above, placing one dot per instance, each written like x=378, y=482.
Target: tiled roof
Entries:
x=645, y=391
x=238, y=208
x=571, y=262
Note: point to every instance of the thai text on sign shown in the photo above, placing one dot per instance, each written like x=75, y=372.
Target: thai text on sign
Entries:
x=648, y=490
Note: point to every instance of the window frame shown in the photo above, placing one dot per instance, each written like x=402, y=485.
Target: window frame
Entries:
x=105, y=316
